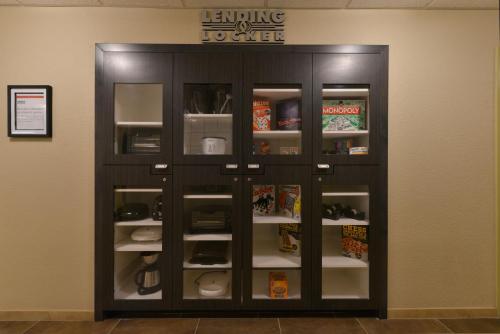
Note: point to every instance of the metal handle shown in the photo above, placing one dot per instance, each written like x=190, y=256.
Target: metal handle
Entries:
x=231, y=166
x=161, y=166
x=253, y=166
x=323, y=166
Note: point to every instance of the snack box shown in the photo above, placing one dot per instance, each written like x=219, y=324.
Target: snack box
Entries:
x=343, y=115
x=290, y=236
x=289, y=201
x=278, y=285
x=261, y=115
x=263, y=200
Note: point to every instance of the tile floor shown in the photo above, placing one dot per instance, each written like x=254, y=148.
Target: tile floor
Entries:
x=254, y=326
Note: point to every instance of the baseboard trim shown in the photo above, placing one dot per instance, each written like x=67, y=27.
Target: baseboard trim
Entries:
x=54, y=315
x=402, y=313
x=392, y=313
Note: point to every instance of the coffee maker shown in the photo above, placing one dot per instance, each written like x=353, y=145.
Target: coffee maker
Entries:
x=148, y=278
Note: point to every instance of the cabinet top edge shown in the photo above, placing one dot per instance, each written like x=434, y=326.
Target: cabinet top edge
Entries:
x=298, y=48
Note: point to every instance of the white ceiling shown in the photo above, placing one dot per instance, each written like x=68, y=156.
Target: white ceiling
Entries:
x=305, y=4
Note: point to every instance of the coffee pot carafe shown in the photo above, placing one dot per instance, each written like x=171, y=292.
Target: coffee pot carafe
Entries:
x=148, y=278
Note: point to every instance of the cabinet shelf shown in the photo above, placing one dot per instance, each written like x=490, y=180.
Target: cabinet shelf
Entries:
x=343, y=134
x=343, y=221
x=138, y=190
x=128, y=245
x=267, y=255
x=208, y=117
x=143, y=222
x=339, y=261
x=277, y=93
x=271, y=134
x=345, y=92
x=139, y=124
x=208, y=236
x=341, y=194
x=274, y=220
x=208, y=196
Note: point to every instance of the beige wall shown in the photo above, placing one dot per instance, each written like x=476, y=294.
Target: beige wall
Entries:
x=441, y=150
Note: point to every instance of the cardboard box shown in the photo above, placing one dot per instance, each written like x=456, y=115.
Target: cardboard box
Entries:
x=278, y=285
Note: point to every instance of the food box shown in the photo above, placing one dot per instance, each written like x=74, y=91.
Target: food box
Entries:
x=355, y=242
x=288, y=115
x=344, y=115
x=290, y=236
x=263, y=200
x=261, y=115
x=289, y=201
x=278, y=285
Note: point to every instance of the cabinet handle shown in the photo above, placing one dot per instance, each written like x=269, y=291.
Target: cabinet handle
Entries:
x=161, y=166
x=231, y=166
x=323, y=166
x=253, y=166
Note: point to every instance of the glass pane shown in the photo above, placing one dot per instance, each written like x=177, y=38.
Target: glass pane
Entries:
x=277, y=120
x=138, y=243
x=138, y=118
x=345, y=229
x=277, y=240
x=207, y=242
x=345, y=120
x=208, y=119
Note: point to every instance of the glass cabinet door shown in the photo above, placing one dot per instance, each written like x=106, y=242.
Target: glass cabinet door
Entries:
x=277, y=234
x=206, y=103
x=138, y=225
x=277, y=109
x=348, y=102
x=207, y=238
x=137, y=95
x=347, y=232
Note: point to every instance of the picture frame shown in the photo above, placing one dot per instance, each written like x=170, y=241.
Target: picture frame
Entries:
x=29, y=111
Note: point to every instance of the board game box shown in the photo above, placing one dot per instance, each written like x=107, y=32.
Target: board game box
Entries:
x=263, y=200
x=290, y=236
x=344, y=115
x=261, y=115
x=289, y=201
x=355, y=242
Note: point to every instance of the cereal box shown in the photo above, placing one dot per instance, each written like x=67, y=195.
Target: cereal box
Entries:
x=355, y=241
x=344, y=115
x=263, y=200
x=261, y=115
x=278, y=285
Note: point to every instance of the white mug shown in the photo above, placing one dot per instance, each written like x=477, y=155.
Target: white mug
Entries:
x=213, y=145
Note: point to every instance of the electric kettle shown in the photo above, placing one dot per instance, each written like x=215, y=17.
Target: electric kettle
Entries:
x=148, y=278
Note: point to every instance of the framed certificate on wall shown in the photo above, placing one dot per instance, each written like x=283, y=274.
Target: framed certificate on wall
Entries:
x=29, y=111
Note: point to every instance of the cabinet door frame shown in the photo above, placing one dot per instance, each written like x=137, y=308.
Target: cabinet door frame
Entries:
x=121, y=67
x=205, y=175
x=353, y=69
x=377, y=242
x=277, y=175
x=134, y=176
x=207, y=68
x=273, y=69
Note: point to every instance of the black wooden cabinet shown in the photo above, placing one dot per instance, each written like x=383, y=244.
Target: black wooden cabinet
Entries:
x=248, y=165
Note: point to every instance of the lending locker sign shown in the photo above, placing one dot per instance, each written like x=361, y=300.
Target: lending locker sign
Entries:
x=254, y=26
